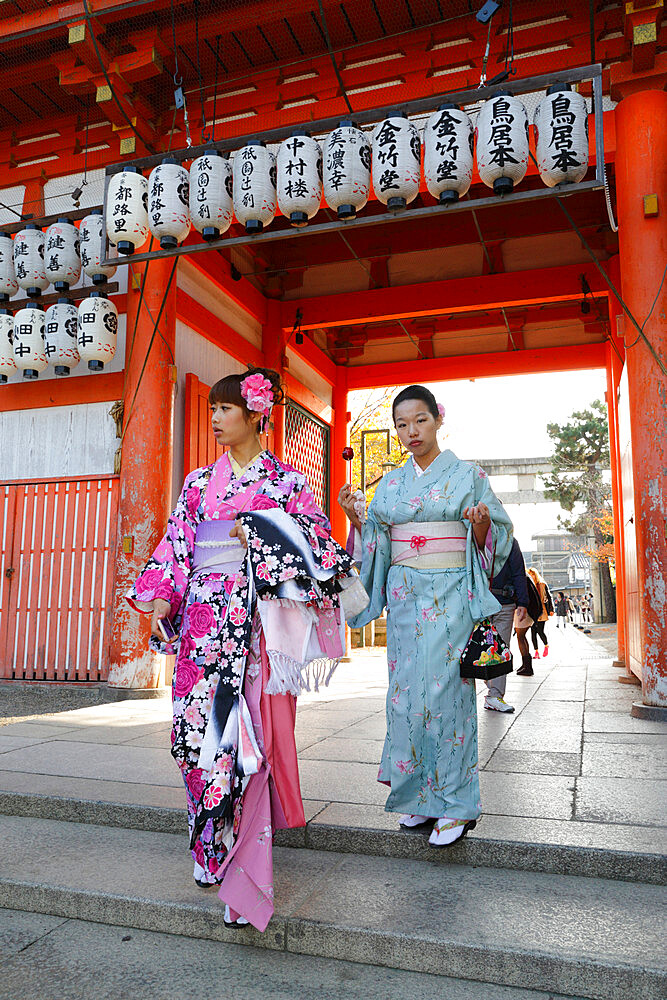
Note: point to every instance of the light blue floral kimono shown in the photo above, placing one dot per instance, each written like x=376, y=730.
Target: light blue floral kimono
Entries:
x=430, y=751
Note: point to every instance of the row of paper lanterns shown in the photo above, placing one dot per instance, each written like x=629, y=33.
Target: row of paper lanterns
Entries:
x=35, y=259
x=61, y=336
x=257, y=183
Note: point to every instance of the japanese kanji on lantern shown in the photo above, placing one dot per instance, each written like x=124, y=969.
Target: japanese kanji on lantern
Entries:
x=8, y=284
x=91, y=246
x=211, y=204
x=60, y=333
x=7, y=362
x=169, y=202
x=502, y=143
x=396, y=162
x=29, y=260
x=448, y=153
x=561, y=132
x=62, y=262
x=127, y=210
x=347, y=170
x=29, y=342
x=299, y=180
x=97, y=328
x=255, y=186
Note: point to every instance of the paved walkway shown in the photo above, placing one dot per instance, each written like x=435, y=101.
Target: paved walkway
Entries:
x=570, y=767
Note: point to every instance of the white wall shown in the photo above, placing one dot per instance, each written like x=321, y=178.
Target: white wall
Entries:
x=209, y=363
x=59, y=441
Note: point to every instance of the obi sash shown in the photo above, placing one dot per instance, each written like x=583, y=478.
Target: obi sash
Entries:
x=215, y=551
x=429, y=545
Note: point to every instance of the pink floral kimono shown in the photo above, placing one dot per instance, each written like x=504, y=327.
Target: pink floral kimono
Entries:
x=250, y=638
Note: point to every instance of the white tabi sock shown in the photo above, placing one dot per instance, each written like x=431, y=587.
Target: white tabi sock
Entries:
x=413, y=820
x=446, y=831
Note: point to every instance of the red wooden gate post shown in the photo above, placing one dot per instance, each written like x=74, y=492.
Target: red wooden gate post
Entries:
x=339, y=441
x=641, y=172
x=274, y=340
x=146, y=467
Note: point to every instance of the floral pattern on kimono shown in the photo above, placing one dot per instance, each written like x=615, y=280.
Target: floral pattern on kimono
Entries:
x=215, y=617
x=429, y=758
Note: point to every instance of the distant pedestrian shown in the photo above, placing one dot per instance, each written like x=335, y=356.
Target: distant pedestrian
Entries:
x=585, y=606
x=522, y=628
x=538, y=626
x=591, y=616
x=509, y=588
x=570, y=608
x=561, y=609
x=577, y=610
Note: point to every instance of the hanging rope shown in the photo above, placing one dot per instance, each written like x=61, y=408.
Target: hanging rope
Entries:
x=204, y=134
x=333, y=58
x=215, y=91
x=86, y=11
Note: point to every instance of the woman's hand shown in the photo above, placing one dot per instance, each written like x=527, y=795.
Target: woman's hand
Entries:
x=161, y=609
x=238, y=532
x=347, y=500
x=480, y=519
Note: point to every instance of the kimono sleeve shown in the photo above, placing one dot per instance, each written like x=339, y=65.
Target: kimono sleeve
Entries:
x=165, y=576
x=479, y=569
x=375, y=564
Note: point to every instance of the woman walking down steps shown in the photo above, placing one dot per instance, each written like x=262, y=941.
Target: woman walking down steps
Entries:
x=247, y=574
x=426, y=551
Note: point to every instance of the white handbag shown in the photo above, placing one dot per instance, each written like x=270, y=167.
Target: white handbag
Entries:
x=353, y=597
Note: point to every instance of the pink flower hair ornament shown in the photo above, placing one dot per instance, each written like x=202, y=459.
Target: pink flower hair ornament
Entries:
x=258, y=394
x=441, y=410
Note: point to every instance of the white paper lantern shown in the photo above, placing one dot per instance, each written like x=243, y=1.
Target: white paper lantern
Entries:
x=299, y=179
x=347, y=169
x=60, y=334
x=396, y=162
x=61, y=254
x=255, y=186
x=97, y=327
x=8, y=284
x=127, y=210
x=448, y=153
x=211, y=185
x=169, y=203
x=7, y=362
x=91, y=245
x=29, y=343
x=29, y=260
x=561, y=133
x=502, y=143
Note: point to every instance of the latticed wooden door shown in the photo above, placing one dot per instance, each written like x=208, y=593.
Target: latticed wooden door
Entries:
x=307, y=449
x=57, y=559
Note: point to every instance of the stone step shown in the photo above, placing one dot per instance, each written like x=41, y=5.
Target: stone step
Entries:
x=583, y=937
x=89, y=961
x=534, y=845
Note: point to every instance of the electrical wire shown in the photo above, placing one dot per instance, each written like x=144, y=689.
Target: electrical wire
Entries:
x=86, y=10
x=204, y=135
x=617, y=294
x=490, y=264
x=333, y=58
x=650, y=312
x=215, y=90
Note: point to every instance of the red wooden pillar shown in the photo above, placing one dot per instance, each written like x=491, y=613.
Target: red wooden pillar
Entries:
x=614, y=368
x=146, y=467
x=338, y=465
x=641, y=175
x=274, y=341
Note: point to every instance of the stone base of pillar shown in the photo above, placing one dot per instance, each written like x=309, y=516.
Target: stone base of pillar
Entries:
x=652, y=713
x=125, y=694
x=620, y=664
x=141, y=672
x=631, y=679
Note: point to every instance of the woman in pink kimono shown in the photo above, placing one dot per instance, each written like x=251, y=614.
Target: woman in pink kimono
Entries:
x=249, y=578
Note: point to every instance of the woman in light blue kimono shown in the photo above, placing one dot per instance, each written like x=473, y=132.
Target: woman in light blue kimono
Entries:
x=433, y=532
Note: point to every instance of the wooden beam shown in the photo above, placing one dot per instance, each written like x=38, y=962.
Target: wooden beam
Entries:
x=445, y=298
x=548, y=359
x=306, y=398
x=62, y=391
x=315, y=358
x=214, y=329
x=242, y=293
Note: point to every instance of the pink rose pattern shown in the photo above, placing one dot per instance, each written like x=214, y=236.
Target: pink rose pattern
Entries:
x=214, y=645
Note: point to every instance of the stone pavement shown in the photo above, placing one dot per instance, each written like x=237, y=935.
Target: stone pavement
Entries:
x=570, y=767
x=558, y=892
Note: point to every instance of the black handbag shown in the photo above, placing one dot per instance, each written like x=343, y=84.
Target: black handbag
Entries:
x=486, y=654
